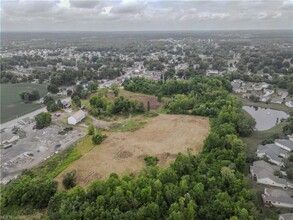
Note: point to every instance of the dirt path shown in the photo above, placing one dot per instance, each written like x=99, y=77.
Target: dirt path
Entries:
x=124, y=152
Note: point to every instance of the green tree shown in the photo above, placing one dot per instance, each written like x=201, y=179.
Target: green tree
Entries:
x=115, y=89
x=76, y=101
x=53, y=88
x=43, y=119
x=91, y=129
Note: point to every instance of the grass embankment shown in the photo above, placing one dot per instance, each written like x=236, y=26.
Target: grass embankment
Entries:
x=56, y=164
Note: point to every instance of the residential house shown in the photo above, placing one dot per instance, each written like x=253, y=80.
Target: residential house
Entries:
x=264, y=98
x=213, y=73
x=76, y=117
x=273, y=152
x=285, y=144
x=287, y=216
x=289, y=104
x=277, y=100
x=277, y=198
x=263, y=173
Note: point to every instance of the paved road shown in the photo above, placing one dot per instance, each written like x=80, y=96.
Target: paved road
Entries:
x=31, y=115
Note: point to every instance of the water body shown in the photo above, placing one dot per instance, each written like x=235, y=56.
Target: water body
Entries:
x=265, y=118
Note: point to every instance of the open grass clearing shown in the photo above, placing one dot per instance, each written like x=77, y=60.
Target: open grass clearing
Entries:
x=123, y=152
x=11, y=104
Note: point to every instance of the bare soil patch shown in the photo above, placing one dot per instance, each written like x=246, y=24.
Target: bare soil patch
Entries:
x=123, y=152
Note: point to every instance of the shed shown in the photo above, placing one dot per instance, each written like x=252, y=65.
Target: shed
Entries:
x=76, y=117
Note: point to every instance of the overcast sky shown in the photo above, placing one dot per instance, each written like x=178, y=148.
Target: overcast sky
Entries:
x=125, y=15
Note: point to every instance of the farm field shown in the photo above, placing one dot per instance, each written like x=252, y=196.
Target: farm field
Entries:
x=12, y=106
x=123, y=152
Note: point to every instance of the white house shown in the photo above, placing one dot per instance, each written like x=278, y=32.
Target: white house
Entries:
x=263, y=173
x=289, y=104
x=287, y=216
x=273, y=152
x=277, y=198
x=76, y=117
x=285, y=144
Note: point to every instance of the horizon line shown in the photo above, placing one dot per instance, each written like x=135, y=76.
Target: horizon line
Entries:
x=184, y=30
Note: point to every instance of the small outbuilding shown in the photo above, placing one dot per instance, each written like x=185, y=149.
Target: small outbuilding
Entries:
x=76, y=117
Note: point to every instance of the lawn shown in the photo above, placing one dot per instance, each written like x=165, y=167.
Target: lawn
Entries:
x=11, y=104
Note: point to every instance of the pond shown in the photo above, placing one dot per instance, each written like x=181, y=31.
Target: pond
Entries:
x=265, y=118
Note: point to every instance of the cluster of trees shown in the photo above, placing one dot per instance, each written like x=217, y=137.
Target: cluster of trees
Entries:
x=28, y=96
x=209, y=185
x=101, y=105
x=205, y=96
x=52, y=106
x=288, y=129
x=206, y=186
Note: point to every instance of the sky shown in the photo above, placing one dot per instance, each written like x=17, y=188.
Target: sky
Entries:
x=145, y=15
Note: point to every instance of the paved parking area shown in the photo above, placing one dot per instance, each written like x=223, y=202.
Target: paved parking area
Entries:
x=34, y=148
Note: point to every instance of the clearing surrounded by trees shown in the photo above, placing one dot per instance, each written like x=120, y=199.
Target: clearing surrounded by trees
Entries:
x=123, y=152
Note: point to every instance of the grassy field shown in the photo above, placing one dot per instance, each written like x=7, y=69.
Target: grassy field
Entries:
x=163, y=136
x=12, y=106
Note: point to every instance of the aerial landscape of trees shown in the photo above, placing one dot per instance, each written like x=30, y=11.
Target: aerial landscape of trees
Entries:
x=209, y=185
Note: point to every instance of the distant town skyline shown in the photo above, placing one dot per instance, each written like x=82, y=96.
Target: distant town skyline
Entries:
x=145, y=15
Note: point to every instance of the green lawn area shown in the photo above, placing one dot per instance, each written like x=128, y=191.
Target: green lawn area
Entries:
x=11, y=104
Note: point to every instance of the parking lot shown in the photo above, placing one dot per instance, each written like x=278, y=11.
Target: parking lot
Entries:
x=33, y=147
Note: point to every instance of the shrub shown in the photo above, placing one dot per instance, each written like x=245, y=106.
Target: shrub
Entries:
x=69, y=179
x=98, y=138
x=151, y=161
x=91, y=130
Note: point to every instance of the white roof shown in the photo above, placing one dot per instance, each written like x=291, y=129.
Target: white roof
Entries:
x=79, y=115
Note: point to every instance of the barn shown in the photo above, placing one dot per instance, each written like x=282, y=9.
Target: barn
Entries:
x=76, y=117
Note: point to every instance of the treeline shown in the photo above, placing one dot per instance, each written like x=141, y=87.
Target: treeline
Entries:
x=206, y=186
x=204, y=96
x=209, y=185
x=100, y=105
x=29, y=96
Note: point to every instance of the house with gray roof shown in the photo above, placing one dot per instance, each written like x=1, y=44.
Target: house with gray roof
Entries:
x=285, y=144
x=287, y=216
x=263, y=173
x=277, y=198
x=273, y=152
x=277, y=100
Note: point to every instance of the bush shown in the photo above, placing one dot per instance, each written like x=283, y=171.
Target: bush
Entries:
x=151, y=161
x=91, y=130
x=98, y=138
x=69, y=180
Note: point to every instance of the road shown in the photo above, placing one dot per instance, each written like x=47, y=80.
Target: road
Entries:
x=30, y=115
